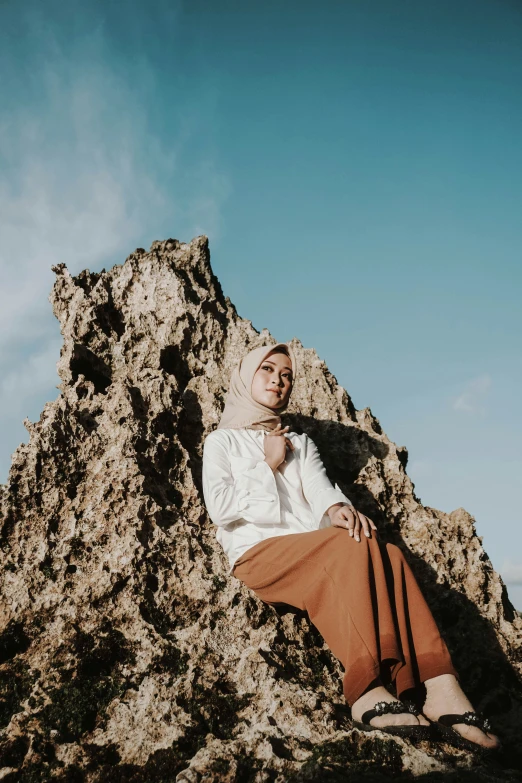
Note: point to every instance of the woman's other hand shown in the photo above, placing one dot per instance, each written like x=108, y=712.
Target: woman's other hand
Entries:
x=275, y=445
x=353, y=520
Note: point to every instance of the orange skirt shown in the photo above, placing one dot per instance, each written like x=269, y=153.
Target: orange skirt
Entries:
x=361, y=596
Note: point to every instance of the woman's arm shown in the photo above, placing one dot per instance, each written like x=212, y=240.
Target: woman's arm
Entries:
x=251, y=495
x=317, y=487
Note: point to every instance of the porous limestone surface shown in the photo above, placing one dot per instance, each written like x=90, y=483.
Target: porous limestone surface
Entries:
x=127, y=653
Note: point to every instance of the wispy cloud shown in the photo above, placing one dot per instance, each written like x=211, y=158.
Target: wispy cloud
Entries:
x=87, y=179
x=81, y=200
x=28, y=376
x=512, y=572
x=472, y=399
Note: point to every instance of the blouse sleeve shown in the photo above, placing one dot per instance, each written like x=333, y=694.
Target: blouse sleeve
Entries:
x=252, y=495
x=317, y=487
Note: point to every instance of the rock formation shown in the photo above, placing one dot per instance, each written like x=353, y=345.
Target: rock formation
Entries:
x=126, y=652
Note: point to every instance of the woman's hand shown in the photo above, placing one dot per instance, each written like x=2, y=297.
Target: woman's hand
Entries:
x=275, y=445
x=353, y=520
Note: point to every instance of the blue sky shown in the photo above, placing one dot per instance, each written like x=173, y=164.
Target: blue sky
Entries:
x=357, y=168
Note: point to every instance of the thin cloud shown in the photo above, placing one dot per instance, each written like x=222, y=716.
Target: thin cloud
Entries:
x=76, y=201
x=87, y=180
x=32, y=373
x=473, y=398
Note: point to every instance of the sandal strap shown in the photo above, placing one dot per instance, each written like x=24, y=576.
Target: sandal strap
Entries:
x=386, y=707
x=471, y=718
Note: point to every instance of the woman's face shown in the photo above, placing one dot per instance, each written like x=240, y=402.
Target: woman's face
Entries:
x=272, y=381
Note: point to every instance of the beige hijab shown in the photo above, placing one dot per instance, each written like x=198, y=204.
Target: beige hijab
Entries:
x=241, y=410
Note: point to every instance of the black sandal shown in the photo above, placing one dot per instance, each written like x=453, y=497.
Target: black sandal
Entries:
x=445, y=722
x=394, y=707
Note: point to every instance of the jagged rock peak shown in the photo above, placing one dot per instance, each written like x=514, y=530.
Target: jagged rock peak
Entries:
x=126, y=652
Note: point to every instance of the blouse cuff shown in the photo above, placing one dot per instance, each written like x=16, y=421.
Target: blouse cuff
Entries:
x=327, y=498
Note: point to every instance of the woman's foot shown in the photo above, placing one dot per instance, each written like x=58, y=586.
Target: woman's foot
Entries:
x=369, y=699
x=445, y=696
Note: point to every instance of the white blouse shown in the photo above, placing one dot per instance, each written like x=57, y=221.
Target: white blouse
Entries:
x=249, y=502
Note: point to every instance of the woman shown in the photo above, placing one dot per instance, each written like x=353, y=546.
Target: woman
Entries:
x=293, y=538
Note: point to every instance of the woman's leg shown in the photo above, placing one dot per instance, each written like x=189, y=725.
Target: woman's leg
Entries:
x=350, y=590
x=426, y=656
x=425, y=652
